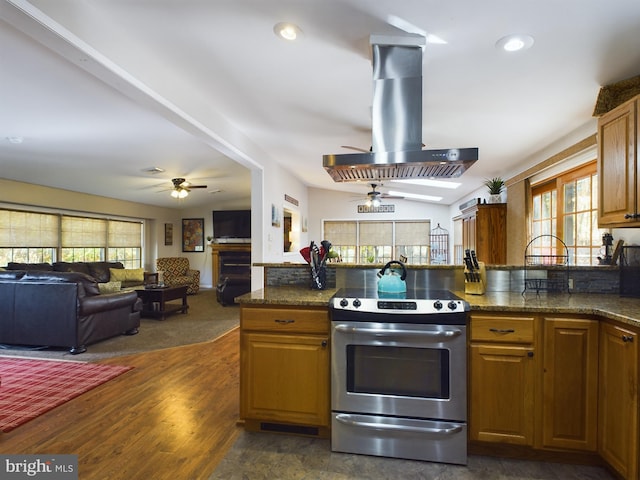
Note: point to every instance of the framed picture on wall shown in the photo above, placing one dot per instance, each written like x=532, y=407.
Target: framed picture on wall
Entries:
x=168, y=233
x=193, y=234
x=275, y=216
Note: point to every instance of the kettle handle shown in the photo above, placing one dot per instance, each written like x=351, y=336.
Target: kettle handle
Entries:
x=404, y=269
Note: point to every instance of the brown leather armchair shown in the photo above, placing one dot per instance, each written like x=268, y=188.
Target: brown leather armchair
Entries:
x=176, y=271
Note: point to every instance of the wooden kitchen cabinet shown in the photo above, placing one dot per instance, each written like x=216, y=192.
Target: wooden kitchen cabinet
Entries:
x=502, y=369
x=569, y=402
x=284, y=369
x=484, y=229
x=619, y=166
x=618, y=427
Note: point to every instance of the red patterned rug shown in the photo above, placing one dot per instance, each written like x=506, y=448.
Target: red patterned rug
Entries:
x=29, y=387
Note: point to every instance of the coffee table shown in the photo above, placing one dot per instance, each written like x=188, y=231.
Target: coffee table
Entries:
x=154, y=301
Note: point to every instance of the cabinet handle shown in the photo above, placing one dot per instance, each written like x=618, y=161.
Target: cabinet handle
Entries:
x=627, y=338
x=631, y=215
x=284, y=322
x=324, y=343
x=529, y=354
x=502, y=330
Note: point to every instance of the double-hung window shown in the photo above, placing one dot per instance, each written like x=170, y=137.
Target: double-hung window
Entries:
x=38, y=237
x=379, y=241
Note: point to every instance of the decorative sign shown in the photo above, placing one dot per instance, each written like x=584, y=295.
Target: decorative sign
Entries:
x=378, y=209
x=291, y=200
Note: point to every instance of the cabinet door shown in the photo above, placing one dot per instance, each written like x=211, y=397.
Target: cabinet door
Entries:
x=617, y=164
x=491, y=233
x=570, y=384
x=285, y=378
x=501, y=394
x=469, y=233
x=618, y=399
x=485, y=231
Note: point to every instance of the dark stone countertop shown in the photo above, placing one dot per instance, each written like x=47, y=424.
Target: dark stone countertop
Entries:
x=613, y=307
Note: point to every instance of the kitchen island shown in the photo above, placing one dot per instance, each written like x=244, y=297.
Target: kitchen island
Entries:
x=551, y=376
x=608, y=306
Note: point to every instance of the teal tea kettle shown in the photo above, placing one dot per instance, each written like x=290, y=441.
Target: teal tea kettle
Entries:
x=390, y=280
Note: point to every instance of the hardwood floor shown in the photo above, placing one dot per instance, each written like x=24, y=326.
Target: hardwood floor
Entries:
x=173, y=416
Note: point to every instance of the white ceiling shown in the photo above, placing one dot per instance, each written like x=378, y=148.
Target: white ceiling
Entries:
x=101, y=90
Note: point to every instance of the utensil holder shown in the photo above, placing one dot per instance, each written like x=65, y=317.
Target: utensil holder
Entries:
x=479, y=286
x=319, y=278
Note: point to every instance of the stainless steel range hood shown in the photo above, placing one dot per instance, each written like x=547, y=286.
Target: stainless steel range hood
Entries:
x=396, y=150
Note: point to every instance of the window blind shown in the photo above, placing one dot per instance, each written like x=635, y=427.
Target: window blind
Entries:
x=340, y=233
x=28, y=229
x=376, y=233
x=83, y=232
x=413, y=233
x=125, y=234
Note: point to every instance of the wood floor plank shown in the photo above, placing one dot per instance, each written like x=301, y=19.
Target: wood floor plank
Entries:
x=173, y=416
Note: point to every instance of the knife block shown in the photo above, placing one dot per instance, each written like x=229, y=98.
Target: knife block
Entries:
x=475, y=287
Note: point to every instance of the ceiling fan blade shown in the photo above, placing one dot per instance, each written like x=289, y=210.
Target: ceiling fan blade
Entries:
x=197, y=186
x=398, y=197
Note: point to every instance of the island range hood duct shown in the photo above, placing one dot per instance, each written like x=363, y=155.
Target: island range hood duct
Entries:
x=396, y=150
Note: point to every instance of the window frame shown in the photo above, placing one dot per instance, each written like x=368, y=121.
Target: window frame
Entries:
x=73, y=251
x=362, y=253
x=558, y=183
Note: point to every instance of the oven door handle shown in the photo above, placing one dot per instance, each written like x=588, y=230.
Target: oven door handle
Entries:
x=382, y=332
x=347, y=420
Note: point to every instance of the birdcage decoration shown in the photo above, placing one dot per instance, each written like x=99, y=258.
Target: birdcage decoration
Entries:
x=439, y=241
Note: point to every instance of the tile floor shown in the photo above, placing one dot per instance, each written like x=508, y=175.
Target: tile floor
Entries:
x=262, y=456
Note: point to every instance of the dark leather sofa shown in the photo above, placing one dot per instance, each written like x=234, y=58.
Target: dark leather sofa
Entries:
x=62, y=309
x=98, y=270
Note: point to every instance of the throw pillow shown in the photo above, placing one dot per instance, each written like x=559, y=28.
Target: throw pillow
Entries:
x=135, y=275
x=127, y=275
x=109, y=287
x=117, y=275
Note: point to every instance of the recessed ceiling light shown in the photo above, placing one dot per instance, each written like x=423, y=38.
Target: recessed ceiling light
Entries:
x=515, y=42
x=287, y=31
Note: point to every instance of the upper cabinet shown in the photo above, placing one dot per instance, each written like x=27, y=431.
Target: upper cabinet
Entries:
x=618, y=166
x=484, y=229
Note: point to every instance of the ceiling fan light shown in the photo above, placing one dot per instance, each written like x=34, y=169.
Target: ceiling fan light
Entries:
x=375, y=202
x=174, y=193
x=182, y=193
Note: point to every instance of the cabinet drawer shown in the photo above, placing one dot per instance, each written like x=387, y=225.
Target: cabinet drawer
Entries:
x=280, y=319
x=501, y=329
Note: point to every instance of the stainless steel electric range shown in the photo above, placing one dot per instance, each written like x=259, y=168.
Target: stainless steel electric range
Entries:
x=399, y=374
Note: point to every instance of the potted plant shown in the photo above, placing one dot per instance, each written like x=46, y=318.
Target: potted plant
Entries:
x=496, y=187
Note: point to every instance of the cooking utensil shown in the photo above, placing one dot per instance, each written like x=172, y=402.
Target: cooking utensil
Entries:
x=306, y=254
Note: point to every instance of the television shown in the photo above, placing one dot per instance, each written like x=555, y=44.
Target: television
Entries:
x=231, y=225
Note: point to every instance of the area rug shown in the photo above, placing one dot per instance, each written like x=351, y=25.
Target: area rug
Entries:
x=31, y=387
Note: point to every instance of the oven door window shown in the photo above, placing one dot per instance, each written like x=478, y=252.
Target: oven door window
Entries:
x=401, y=371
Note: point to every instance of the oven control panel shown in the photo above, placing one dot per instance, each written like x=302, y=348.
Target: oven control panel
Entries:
x=422, y=306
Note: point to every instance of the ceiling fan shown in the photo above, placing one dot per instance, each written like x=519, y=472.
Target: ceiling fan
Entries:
x=181, y=187
x=374, y=197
